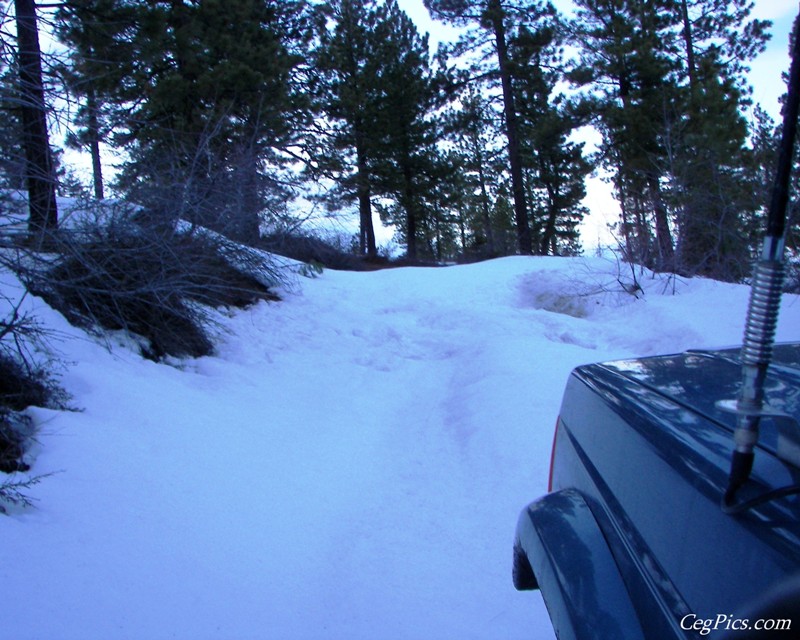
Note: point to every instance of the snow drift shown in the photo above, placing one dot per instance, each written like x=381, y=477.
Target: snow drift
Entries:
x=350, y=464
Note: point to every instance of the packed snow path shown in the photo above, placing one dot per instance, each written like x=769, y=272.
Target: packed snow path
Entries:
x=350, y=465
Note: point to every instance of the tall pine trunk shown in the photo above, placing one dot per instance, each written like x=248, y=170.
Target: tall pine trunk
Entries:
x=688, y=41
x=93, y=126
x=479, y=162
x=367, y=244
x=666, y=250
x=486, y=215
x=39, y=170
x=524, y=240
x=408, y=205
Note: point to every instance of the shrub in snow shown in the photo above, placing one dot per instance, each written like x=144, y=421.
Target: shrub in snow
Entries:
x=12, y=493
x=24, y=381
x=153, y=280
x=15, y=434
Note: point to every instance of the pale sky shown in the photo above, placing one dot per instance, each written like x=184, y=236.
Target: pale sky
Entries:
x=765, y=74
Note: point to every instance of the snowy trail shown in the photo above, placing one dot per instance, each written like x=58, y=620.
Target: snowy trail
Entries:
x=350, y=465
x=428, y=412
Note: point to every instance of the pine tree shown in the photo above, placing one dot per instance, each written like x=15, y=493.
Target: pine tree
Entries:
x=204, y=103
x=760, y=169
x=765, y=137
x=98, y=71
x=39, y=167
x=12, y=151
x=626, y=57
x=722, y=31
x=346, y=61
x=376, y=91
x=673, y=128
x=494, y=18
x=556, y=168
x=406, y=156
x=473, y=130
x=709, y=154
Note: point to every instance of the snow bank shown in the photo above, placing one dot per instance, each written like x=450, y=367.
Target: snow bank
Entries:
x=349, y=465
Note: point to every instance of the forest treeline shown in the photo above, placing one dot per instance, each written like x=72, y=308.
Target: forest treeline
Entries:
x=224, y=111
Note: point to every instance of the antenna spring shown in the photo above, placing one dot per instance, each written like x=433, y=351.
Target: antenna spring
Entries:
x=762, y=314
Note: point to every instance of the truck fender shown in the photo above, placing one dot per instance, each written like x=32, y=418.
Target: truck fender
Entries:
x=561, y=548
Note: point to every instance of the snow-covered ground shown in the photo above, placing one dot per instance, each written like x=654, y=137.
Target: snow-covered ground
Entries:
x=350, y=465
